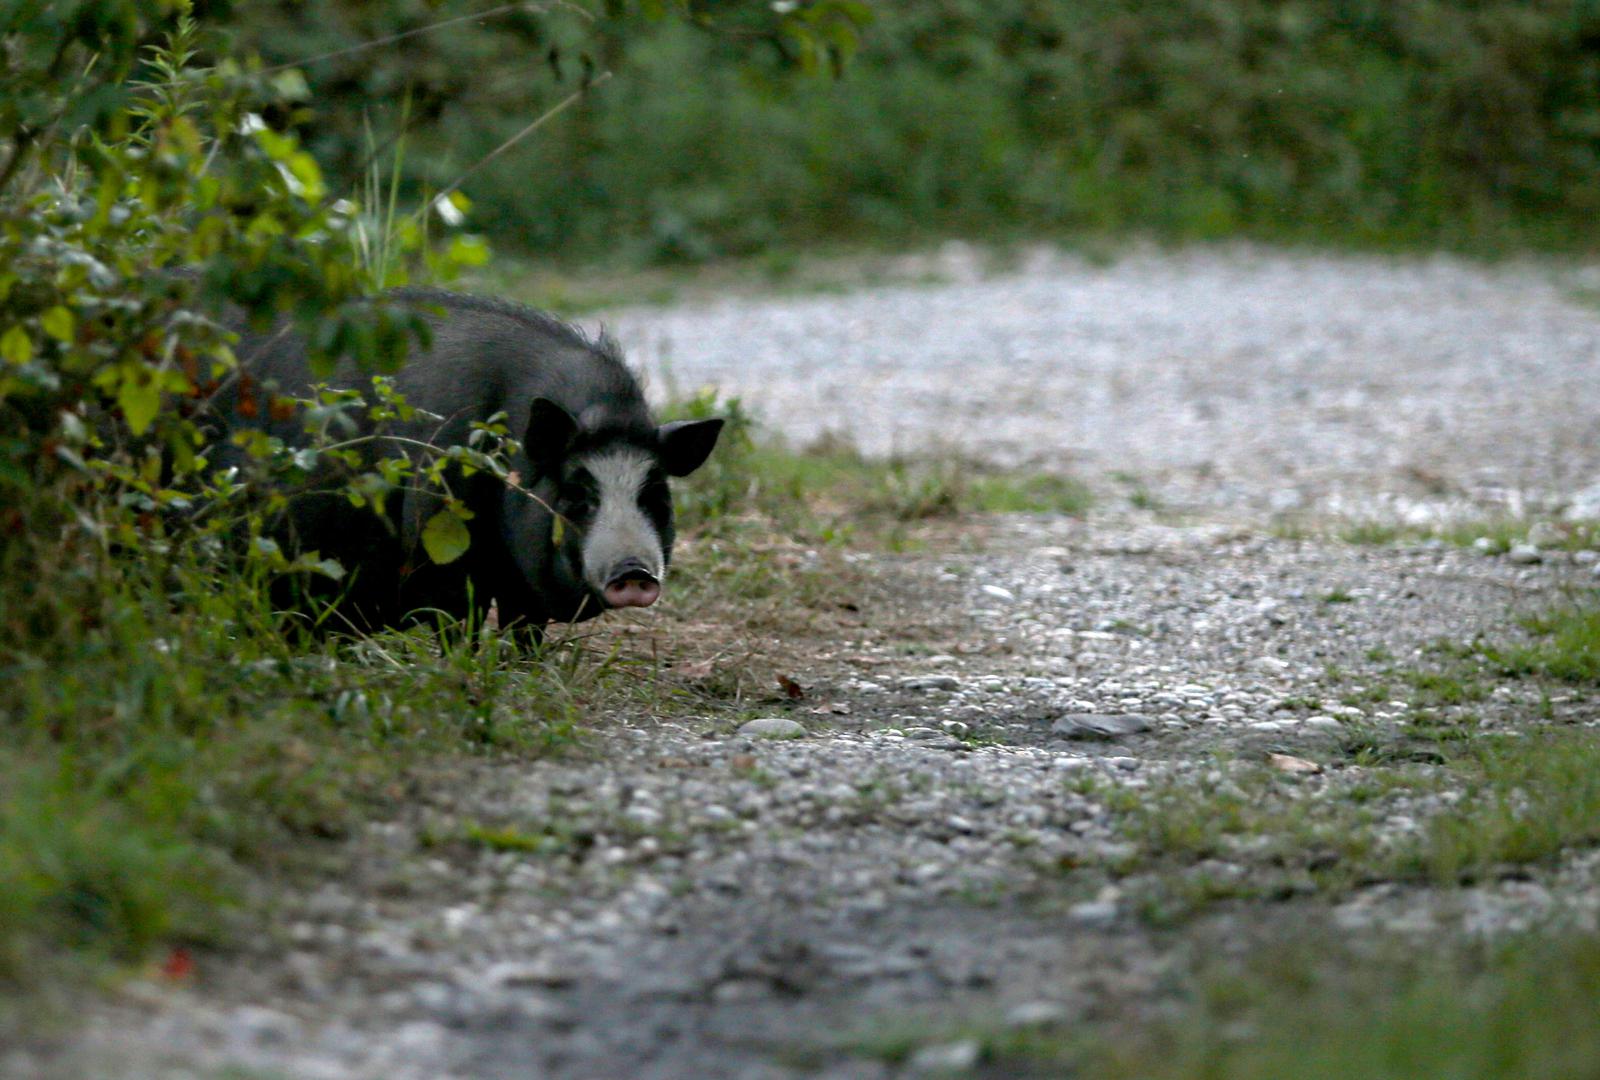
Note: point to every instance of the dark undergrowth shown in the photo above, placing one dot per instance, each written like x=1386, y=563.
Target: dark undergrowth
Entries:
x=185, y=740
x=1412, y=124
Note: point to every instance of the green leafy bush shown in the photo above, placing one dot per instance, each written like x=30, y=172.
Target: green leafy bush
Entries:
x=1415, y=122
x=144, y=198
x=161, y=728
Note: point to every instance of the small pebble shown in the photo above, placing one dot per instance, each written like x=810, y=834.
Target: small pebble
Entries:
x=1524, y=554
x=1099, y=725
x=930, y=682
x=772, y=727
x=1093, y=913
x=1036, y=1014
x=962, y=1056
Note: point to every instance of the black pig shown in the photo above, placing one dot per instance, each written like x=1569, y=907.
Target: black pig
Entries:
x=591, y=453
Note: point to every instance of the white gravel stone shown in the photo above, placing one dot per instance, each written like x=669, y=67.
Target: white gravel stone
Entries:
x=1584, y=504
x=954, y=1057
x=1099, y=725
x=1036, y=1014
x=1211, y=357
x=772, y=727
x=1093, y=913
x=930, y=682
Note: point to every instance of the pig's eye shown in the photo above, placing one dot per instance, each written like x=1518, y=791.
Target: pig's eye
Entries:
x=577, y=502
x=577, y=495
x=655, y=498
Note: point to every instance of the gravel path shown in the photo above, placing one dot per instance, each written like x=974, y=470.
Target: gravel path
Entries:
x=957, y=834
x=1233, y=378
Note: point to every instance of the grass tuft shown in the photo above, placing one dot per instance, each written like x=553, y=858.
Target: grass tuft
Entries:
x=1566, y=646
x=1523, y=1007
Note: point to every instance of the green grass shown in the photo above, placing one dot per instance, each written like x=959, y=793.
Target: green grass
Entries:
x=842, y=489
x=1285, y=834
x=1520, y=1008
x=151, y=762
x=1499, y=535
x=1301, y=1000
x=544, y=838
x=1431, y=689
x=830, y=493
x=1566, y=646
x=1527, y=800
x=1522, y=800
x=1311, y=1007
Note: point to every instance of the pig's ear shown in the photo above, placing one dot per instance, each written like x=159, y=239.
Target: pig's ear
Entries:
x=684, y=445
x=551, y=433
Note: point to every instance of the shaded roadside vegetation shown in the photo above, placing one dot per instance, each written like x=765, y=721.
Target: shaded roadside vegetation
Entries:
x=167, y=735
x=171, y=740
x=1423, y=122
x=188, y=743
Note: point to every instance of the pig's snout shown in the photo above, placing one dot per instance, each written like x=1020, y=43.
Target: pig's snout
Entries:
x=632, y=586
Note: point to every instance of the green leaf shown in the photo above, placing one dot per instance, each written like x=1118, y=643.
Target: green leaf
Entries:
x=16, y=346
x=310, y=563
x=58, y=323
x=469, y=251
x=445, y=537
x=140, y=400
x=291, y=85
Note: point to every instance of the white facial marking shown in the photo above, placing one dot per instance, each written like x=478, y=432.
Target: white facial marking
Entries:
x=620, y=530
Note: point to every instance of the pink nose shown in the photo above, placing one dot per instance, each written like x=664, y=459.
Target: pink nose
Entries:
x=632, y=592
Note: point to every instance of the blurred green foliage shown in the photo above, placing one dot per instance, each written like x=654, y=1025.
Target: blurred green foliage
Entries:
x=164, y=723
x=141, y=193
x=1414, y=122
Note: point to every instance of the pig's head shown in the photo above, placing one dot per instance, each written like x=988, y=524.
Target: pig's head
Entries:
x=599, y=535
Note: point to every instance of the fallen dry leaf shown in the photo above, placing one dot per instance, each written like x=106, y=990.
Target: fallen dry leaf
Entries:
x=1288, y=764
x=697, y=669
